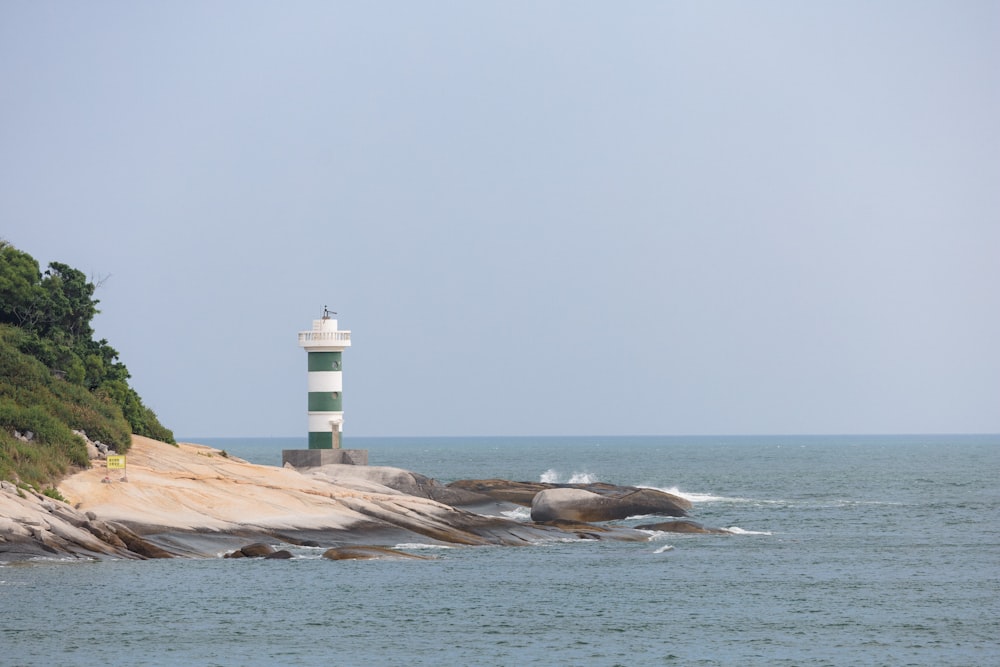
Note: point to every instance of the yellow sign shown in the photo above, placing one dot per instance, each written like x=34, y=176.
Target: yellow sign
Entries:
x=116, y=462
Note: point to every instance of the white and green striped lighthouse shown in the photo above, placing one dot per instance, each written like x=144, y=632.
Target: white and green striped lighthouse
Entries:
x=325, y=347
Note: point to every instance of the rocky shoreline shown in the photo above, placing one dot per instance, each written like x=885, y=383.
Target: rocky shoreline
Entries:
x=193, y=501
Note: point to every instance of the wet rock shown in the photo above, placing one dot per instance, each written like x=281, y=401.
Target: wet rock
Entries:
x=683, y=527
x=103, y=532
x=137, y=544
x=369, y=553
x=588, y=531
x=519, y=493
x=576, y=504
x=524, y=493
x=255, y=550
x=281, y=554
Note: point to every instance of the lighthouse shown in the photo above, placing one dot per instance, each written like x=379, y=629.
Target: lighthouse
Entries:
x=324, y=346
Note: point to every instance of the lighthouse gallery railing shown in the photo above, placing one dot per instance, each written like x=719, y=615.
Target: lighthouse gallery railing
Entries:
x=324, y=336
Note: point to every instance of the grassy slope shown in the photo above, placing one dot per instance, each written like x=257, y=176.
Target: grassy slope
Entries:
x=33, y=399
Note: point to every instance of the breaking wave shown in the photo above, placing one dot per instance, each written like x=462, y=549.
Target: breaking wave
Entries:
x=518, y=514
x=552, y=476
x=736, y=530
x=691, y=495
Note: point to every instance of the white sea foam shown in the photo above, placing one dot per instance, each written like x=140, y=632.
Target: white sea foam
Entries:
x=665, y=547
x=413, y=546
x=736, y=530
x=518, y=514
x=552, y=476
x=63, y=559
x=691, y=495
x=656, y=535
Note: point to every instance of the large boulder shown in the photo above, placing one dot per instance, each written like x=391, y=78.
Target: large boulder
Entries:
x=523, y=493
x=576, y=504
x=281, y=554
x=255, y=550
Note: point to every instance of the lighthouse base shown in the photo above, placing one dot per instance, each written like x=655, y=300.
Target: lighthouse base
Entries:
x=313, y=458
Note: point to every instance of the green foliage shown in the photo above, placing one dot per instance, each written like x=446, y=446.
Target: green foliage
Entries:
x=33, y=400
x=54, y=377
x=53, y=492
x=22, y=298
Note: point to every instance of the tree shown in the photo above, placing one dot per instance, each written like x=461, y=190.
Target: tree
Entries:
x=71, y=302
x=23, y=300
x=54, y=312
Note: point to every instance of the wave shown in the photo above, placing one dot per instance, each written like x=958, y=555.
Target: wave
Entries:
x=693, y=496
x=518, y=514
x=415, y=546
x=736, y=530
x=552, y=476
x=665, y=547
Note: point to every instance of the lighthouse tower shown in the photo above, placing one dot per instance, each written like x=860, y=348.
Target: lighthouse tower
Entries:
x=325, y=346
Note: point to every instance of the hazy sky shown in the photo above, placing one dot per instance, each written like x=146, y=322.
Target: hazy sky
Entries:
x=535, y=217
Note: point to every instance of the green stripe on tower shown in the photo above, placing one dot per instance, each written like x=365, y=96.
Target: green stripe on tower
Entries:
x=325, y=361
x=325, y=401
x=323, y=440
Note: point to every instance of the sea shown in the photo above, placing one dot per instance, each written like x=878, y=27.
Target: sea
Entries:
x=844, y=550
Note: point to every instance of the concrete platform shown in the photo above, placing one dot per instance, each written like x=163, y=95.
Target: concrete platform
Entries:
x=313, y=458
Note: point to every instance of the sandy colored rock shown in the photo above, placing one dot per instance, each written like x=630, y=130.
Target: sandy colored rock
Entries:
x=194, y=501
x=191, y=500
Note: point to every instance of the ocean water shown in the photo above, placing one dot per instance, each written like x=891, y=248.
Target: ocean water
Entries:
x=848, y=550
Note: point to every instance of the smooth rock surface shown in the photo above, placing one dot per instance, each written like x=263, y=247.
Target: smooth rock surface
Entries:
x=193, y=501
x=574, y=504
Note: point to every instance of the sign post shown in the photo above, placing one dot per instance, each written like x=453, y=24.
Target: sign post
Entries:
x=117, y=462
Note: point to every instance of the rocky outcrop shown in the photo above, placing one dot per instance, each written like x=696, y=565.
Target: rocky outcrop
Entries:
x=255, y=550
x=260, y=550
x=524, y=493
x=577, y=504
x=683, y=527
x=385, y=479
x=194, y=501
x=588, y=531
x=370, y=553
x=518, y=493
x=33, y=525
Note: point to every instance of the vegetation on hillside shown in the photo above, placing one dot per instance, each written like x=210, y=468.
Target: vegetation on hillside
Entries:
x=54, y=377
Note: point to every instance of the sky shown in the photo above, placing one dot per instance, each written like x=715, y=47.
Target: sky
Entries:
x=536, y=218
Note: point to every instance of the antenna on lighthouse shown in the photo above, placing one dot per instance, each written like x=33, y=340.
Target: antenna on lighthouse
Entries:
x=327, y=313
